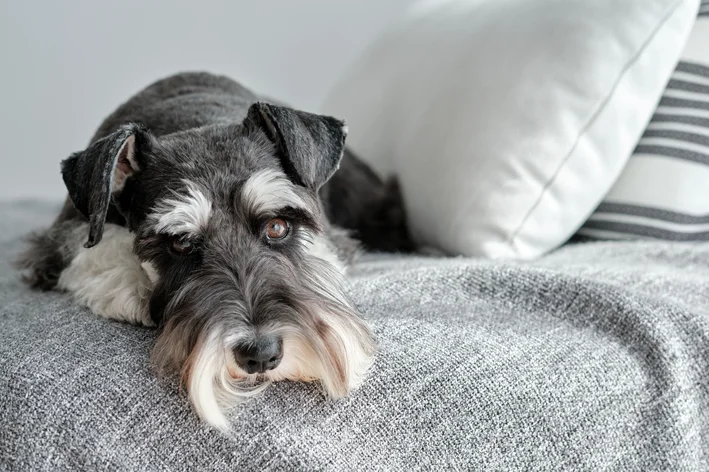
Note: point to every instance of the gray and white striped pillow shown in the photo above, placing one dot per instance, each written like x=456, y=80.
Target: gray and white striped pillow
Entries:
x=663, y=193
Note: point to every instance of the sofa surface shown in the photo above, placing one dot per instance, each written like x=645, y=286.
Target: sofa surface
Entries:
x=595, y=357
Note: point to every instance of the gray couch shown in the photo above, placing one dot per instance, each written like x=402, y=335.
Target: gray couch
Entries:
x=595, y=357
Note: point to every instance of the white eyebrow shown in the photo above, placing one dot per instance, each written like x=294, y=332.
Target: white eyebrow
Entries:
x=269, y=190
x=183, y=213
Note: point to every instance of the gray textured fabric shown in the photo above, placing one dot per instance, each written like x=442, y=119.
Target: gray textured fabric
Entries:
x=593, y=358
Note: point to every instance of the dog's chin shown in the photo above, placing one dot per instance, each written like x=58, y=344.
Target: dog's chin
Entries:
x=215, y=383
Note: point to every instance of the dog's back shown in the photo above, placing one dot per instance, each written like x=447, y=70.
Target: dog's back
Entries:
x=181, y=102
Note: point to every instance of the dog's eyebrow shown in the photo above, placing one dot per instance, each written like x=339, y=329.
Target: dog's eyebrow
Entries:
x=183, y=213
x=269, y=190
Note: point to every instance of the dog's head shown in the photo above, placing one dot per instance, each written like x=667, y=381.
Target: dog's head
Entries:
x=230, y=229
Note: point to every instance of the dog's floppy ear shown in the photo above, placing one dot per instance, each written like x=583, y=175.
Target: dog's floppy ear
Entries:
x=309, y=146
x=97, y=174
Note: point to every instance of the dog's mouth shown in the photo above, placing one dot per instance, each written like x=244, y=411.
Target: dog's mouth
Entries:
x=288, y=370
x=239, y=375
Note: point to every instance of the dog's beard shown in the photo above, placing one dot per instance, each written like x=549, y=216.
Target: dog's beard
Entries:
x=329, y=343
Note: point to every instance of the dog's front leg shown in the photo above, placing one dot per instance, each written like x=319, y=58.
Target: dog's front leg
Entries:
x=109, y=279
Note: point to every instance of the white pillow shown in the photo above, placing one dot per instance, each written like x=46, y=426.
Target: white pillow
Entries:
x=507, y=122
x=663, y=192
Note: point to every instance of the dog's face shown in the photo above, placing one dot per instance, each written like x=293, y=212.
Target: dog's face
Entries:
x=228, y=225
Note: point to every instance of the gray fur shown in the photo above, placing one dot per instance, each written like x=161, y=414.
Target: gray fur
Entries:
x=200, y=138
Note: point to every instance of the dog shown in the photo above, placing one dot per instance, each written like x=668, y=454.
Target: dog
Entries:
x=227, y=221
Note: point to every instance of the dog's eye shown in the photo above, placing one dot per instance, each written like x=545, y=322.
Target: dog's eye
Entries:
x=182, y=246
x=276, y=229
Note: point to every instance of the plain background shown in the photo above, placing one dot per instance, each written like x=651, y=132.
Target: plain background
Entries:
x=67, y=64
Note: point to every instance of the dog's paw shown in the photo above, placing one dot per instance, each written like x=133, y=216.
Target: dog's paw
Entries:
x=110, y=280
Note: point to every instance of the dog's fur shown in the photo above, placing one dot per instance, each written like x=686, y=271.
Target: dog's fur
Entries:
x=196, y=161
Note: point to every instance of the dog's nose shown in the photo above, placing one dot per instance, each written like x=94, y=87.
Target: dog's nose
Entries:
x=262, y=355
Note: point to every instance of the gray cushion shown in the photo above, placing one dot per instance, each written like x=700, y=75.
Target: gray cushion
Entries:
x=594, y=357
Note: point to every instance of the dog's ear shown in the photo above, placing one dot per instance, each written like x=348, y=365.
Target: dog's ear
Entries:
x=99, y=173
x=309, y=146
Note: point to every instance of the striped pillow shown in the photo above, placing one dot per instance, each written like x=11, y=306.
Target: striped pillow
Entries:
x=663, y=193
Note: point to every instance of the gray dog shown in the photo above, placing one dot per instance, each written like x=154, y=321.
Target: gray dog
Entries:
x=224, y=221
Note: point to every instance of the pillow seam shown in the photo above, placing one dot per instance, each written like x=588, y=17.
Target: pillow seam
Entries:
x=511, y=240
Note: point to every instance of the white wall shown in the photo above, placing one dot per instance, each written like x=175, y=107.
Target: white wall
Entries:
x=67, y=64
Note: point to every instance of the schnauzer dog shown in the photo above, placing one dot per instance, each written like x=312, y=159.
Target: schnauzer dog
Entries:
x=227, y=221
